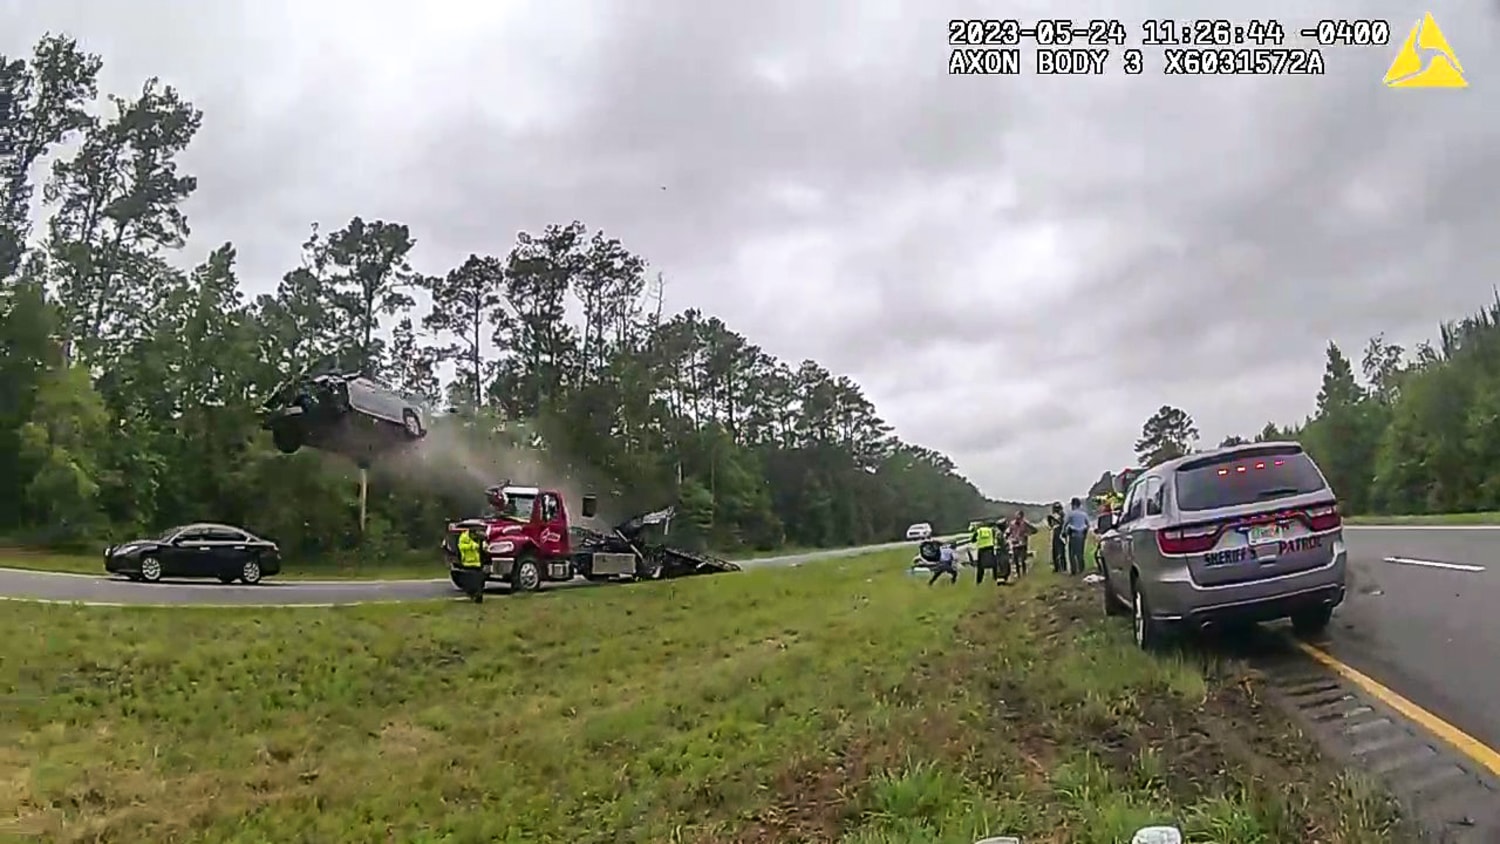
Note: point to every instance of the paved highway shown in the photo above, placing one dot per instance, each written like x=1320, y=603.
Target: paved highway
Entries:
x=105, y=590
x=1423, y=618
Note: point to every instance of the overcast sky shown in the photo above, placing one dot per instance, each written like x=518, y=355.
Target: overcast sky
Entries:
x=1018, y=270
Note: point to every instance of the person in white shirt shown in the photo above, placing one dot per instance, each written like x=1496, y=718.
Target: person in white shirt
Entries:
x=945, y=565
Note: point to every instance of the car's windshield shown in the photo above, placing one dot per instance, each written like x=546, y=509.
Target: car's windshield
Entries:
x=167, y=534
x=1246, y=478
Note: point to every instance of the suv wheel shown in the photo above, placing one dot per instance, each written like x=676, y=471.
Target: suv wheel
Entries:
x=1148, y=633
x=1312, y=622
x=1112, y=603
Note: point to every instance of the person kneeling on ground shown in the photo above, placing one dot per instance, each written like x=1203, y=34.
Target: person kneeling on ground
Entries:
x=471, y=568
x=945, y=565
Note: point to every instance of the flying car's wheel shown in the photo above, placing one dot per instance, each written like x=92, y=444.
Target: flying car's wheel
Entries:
x=287, y=439
x=412, y=424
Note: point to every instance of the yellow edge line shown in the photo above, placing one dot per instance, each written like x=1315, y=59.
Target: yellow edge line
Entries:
x=1481, y=753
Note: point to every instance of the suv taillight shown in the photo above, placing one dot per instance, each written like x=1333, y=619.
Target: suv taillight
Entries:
x=1193, y=540
x=1320, y=519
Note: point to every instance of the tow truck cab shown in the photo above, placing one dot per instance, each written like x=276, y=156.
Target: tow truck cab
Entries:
x=531, y=540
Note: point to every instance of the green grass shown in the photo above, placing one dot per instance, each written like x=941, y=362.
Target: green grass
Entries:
x=840, y=702
x=1486, y=518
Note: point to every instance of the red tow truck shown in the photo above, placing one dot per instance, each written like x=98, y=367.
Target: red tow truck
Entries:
x=529, y=540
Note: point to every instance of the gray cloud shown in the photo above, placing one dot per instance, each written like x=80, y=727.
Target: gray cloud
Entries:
x=1018, y=270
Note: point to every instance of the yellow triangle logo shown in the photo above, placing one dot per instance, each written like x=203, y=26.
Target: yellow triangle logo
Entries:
x=1425, y=60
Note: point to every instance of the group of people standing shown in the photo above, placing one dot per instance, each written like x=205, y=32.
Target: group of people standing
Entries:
x=1003, y=546
x=999, y=547
x=1069, y=532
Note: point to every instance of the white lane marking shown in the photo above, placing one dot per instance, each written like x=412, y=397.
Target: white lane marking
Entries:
x=279, y=581
x=197, y=606
x=353, y=581
x=1411, y=561
x=45, y=573
x=1421, y=527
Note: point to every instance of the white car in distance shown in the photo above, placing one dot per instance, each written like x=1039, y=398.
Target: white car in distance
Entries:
x=920, y=530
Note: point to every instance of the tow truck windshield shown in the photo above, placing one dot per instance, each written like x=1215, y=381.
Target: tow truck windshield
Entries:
x=518, y=507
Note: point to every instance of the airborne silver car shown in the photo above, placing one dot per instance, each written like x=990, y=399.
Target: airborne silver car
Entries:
x=1242, y=534
x=346, y=412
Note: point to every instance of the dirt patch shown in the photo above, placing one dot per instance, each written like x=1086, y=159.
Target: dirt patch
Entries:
x=817, y=798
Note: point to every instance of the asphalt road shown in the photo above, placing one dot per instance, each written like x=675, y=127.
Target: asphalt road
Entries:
x=1423, y=618
x=107, y=590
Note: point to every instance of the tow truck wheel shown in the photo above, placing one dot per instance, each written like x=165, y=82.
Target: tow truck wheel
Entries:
x=527, y=576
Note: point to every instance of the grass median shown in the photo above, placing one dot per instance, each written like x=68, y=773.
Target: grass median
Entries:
x=839, y=701
x=1452, y=519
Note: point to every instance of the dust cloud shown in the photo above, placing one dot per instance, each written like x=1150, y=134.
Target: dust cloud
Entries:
x=460, y=457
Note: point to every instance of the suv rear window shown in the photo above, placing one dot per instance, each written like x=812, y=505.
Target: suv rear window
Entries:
x=1246, y=478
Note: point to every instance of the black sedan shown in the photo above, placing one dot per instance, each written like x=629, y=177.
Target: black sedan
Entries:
x=198, y=550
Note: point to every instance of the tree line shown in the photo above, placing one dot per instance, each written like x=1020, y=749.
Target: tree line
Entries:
x=1406, y=432
x=130, y=388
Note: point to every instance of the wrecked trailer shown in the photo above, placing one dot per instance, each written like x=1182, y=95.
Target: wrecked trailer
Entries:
x=654, y=560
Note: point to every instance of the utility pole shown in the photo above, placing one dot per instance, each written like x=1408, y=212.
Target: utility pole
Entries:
x=364, y=494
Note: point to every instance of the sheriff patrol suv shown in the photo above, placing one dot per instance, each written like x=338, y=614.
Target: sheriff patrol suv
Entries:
x=1242, y=534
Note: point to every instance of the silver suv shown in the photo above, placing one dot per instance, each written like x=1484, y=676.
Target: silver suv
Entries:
x=1242, y=534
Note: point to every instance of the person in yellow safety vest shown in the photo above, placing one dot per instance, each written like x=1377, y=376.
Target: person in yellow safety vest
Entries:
x=472, y=567
x=983, y=539
x=1110, y=502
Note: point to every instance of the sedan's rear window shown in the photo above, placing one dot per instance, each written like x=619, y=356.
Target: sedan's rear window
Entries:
x=1246, y=478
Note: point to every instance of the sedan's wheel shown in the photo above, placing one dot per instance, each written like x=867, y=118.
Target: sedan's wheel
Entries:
x=150, y=569
x=250, y=573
